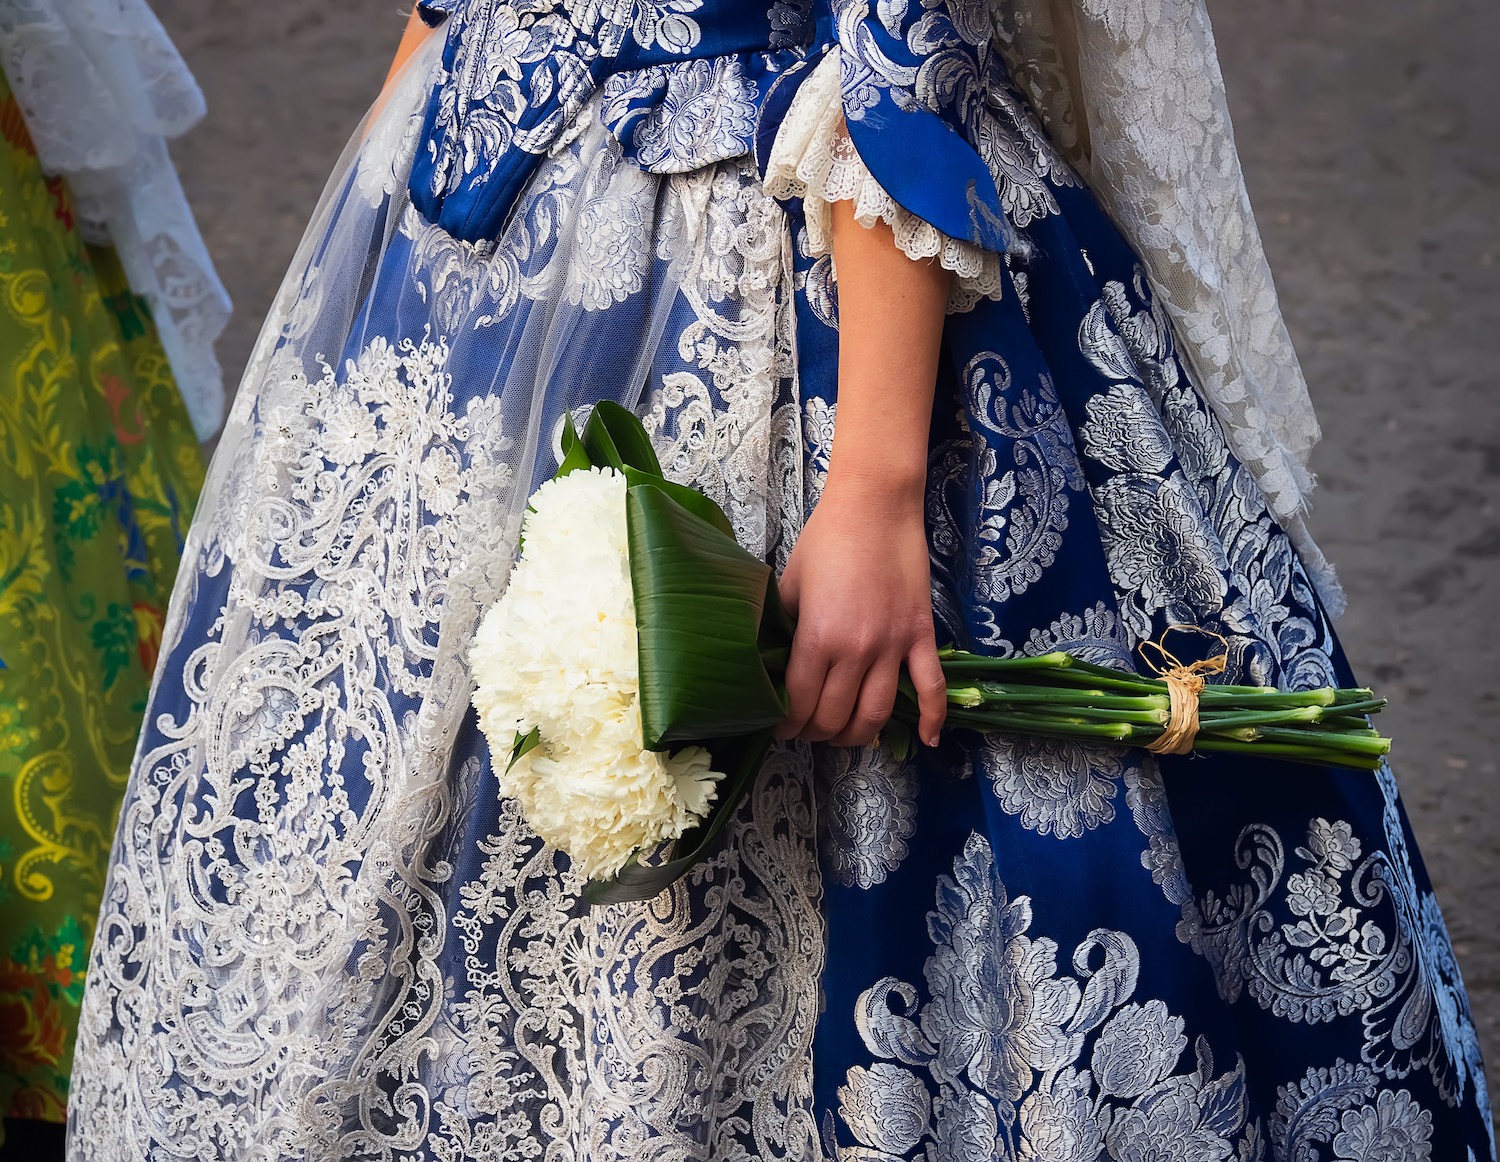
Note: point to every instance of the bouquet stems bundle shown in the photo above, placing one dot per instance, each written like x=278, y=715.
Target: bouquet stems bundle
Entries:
x=657, y=650
x=1060, y=696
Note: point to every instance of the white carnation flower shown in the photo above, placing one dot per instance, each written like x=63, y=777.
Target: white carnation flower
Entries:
x=557, y=653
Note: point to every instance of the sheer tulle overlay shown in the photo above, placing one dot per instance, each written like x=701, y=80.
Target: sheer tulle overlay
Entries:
x=296, y=945
x=325, y=935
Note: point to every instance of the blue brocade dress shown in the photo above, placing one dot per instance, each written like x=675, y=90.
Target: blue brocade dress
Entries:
x=326, y=936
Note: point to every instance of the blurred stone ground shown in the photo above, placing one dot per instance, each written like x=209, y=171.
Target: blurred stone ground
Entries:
x=1369, y=130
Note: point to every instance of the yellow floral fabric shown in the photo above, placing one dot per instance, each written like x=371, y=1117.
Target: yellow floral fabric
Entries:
x=99, y=470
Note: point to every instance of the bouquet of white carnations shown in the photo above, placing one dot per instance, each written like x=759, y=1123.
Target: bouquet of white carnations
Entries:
x=631, y=675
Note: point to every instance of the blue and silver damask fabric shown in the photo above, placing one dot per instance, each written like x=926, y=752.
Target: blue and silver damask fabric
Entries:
x=1044, y=950
x=685, y=84
x=324, y=934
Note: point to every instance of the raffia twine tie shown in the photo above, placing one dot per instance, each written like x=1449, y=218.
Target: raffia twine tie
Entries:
x=1185, y=682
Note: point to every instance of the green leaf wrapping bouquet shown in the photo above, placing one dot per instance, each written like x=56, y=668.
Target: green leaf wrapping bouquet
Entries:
x=631, y=675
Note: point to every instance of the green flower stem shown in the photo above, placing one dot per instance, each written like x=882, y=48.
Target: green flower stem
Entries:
x=1040, y=724
x=1282, y=699
x=1209, y=721
x=1367, y=706
x=1238, y=734
x=1080, y=711
x=996, y=693
x=960, y=659
x=965, y=696
x=1343, y=743
x=1123, y=684
x=1346, y=742
x=1356, y=727
x=1347, y=724
x=1046, y=666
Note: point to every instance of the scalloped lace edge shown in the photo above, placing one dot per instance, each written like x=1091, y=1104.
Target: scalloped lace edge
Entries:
x=814, y=159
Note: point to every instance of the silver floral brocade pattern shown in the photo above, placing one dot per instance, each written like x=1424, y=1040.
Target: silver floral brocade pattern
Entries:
x=867, y=805
x=1339, y=930
x=1011, y=1058
x=1186, y=530
x=1343, y=1109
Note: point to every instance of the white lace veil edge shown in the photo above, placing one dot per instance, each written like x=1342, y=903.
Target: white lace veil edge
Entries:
x=1134, y=97
x=101, y=86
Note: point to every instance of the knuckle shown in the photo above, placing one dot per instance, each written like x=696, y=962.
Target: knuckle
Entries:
x=825, y=725
x=877, y=704
x=812, y=640
x=861, y=732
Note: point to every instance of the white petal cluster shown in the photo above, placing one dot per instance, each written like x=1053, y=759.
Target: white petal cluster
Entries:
x=558, y=653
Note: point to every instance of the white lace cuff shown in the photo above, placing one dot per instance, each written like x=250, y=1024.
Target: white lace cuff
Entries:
x=813, y=159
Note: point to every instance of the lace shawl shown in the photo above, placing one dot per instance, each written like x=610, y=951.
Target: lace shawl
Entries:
x=1132, y=93
x=101, y=87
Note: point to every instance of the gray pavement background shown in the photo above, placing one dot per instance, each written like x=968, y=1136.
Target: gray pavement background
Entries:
x=1369, y=130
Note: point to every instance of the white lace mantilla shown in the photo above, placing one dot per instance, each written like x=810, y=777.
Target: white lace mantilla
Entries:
x=1133, y=95
x=101, y=87
x=814, y=159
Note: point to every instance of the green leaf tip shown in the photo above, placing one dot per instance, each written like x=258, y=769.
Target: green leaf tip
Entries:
x=615, y=438
x=524, y=745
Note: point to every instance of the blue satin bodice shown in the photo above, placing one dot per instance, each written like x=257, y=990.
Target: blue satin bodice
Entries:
x=686, y=83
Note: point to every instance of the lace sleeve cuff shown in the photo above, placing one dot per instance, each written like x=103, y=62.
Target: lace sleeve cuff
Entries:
x=813, y=158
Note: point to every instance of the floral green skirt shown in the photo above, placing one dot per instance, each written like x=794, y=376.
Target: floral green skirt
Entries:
x=99, y=470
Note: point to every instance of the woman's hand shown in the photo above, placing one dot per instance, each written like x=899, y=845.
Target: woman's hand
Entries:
x=858, y=582
x=858, y=578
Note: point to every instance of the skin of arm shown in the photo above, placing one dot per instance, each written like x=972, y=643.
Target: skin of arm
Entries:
x=858, y=578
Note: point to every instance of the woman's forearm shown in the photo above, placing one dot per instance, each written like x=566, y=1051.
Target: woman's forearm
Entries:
x=858, y=578
x=891, y=311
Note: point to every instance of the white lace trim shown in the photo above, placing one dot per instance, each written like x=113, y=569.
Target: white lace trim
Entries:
x=101, y=86
x=1134, y=97
x=814, y=159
